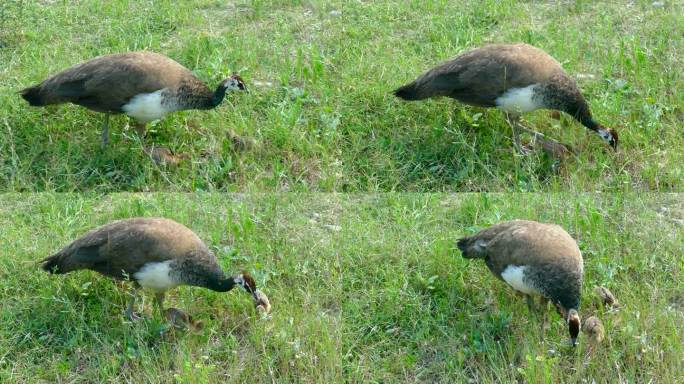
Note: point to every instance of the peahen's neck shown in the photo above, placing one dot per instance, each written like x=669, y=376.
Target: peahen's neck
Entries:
x=197, y=96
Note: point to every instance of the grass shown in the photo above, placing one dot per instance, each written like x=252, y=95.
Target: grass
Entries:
x=365, y=288
x=320, y=116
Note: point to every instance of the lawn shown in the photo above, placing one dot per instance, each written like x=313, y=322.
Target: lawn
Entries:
x=320, y=115
x=365, y=288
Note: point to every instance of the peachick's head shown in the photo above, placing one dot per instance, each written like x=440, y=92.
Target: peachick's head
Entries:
x=233, y=83
x=594, y=330
x=574, y=325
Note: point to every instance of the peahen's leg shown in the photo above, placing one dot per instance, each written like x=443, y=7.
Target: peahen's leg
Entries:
x=552, y=146
x=514, y=122
x=159, y=300
x=104, y=137
x=132, y=316
x=544, y=304
x=140, y=130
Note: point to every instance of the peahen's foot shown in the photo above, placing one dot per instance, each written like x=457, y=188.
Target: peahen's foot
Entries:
x=164, y=156
x=133, y=317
